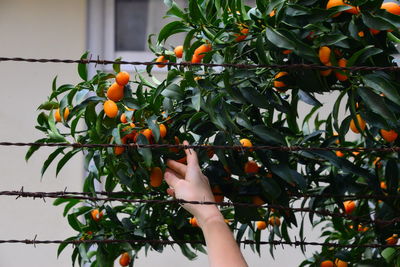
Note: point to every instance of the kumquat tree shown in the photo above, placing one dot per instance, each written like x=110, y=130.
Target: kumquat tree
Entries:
x=244, y=106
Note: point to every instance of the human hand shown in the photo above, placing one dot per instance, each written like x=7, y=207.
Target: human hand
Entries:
x=189, y=183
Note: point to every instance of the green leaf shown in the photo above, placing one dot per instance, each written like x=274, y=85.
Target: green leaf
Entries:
x=244, y=121
x=279, y=39
x=254, y=97
x=174, y=10
x=117, y=67
x=271, y=188
x=155, y=128
x=389, y=254
x=83, y=253
x=346, y=166
x=288, y=40
x=132, y=103
x=50, y=159
x=195, y=12
x=261, y=50
x=187, y=252
x=53, y=132
x=377, y=23
x=90, y=114
x=117, y=136
x=309, y=98
x=82, y=68
x=246, y=214
x=289, y=175
x=54, y=84
x=65, y=159
x=393, y=38
x=376, y=103
x=48, y=105
x=62, y=246
x=331, y=39
x=382, y=85
x=170, y=29
x=70, y=205
x=391, y=176
x=196, y=99
x=145, y=152
x=269, y=135
x=362, y=55
x=63, y=88
x=74, y=222
x=173, y=91
x=33, y=149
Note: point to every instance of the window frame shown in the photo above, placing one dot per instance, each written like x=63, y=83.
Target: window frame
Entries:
x=101, y=25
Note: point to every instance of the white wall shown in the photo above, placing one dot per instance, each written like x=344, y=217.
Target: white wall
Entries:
x=37, y=29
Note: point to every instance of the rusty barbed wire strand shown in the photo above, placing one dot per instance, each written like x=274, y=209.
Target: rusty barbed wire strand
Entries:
x=322, y=212
x=172, y=242
x=208, y=147
x=291, y=194
x=187, y=64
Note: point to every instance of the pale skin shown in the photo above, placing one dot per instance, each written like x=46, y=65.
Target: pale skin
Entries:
x=189, y=183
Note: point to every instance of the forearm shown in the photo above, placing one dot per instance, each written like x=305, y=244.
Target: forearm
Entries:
x=221, y=246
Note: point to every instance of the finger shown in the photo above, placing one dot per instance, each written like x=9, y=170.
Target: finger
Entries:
x=191, y=155
x=177, y=167
x=171, y=192
x=171, y=177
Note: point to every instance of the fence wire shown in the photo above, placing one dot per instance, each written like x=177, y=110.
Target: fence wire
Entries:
x=155, y=193
x=208, y=147
x=172, y=242
x=323, y=212
x=99, y=61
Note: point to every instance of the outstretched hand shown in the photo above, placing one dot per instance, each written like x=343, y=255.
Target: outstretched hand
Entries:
x=189, y=183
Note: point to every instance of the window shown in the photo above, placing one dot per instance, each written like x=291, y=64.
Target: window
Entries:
x=120, y=28
x=131, y=19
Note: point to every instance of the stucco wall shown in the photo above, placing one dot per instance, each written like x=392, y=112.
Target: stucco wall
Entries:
x=40, y=28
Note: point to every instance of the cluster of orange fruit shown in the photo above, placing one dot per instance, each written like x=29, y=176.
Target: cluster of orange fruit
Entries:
x=325, y=58
x=337, y=263
x=273, y=221
x=388, y=135
x=390, y=7
x=115, y=93
x=57, y=115
x=198, y=55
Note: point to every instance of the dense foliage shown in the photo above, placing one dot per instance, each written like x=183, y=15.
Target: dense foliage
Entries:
x=221, y=106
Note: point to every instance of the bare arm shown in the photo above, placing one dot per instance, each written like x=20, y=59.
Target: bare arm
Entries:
x=188, y=182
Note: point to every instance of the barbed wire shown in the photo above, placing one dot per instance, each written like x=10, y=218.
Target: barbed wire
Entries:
x=207, y=147
x=155, y=193
x=322, y=212
x=172, y=242
x=99, y=61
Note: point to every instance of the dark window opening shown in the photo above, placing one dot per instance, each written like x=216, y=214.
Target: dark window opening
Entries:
x=131, y=25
